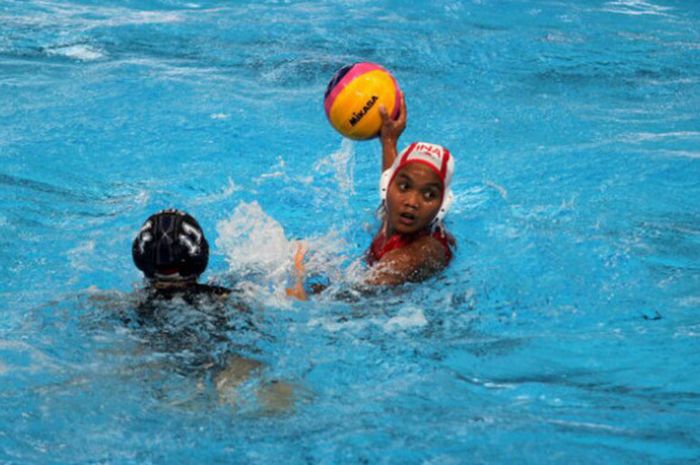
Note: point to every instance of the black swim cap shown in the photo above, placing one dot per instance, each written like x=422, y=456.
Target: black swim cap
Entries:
x=170, y=243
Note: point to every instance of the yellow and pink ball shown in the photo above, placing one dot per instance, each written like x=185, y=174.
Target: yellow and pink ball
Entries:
x=354, y=95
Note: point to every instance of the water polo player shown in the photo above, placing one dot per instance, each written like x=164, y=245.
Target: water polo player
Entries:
x=412, y=243
x=172, y=252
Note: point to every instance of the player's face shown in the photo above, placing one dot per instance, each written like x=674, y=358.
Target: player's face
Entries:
x=413, y=198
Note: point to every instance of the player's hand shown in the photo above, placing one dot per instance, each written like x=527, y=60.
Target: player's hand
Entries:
x=392, y=128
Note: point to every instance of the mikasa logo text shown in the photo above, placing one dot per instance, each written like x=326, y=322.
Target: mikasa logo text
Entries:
x=356, y=117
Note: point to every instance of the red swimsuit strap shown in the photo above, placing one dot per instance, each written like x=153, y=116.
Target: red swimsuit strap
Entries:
x=381, y=245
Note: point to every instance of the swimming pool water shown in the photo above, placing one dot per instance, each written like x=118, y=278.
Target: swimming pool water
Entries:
x=564, y=331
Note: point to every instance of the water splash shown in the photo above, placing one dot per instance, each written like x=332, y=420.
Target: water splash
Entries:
x=260, y=256
x=254, y=242
x=221, y=194
x=341, y=164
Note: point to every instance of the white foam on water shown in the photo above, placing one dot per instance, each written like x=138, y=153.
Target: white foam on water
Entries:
x=687, y=331
x=689, y=301
x=587, y=426
x=639, y=137
x=679, y=153
x=175, y=70
x=77, y=52
x=219, y=116
x=76, y=21
x=409, y=317
x=142, y=197
x=153, y=17
x=636, y=8
x=333, y=325
x=87, y=17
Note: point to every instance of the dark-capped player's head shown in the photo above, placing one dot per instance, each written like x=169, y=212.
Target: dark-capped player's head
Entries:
x=171, y=246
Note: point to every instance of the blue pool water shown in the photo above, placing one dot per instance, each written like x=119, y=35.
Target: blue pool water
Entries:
x=566, y=330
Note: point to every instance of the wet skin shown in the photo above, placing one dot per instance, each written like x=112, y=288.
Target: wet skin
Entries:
x=413, y=199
